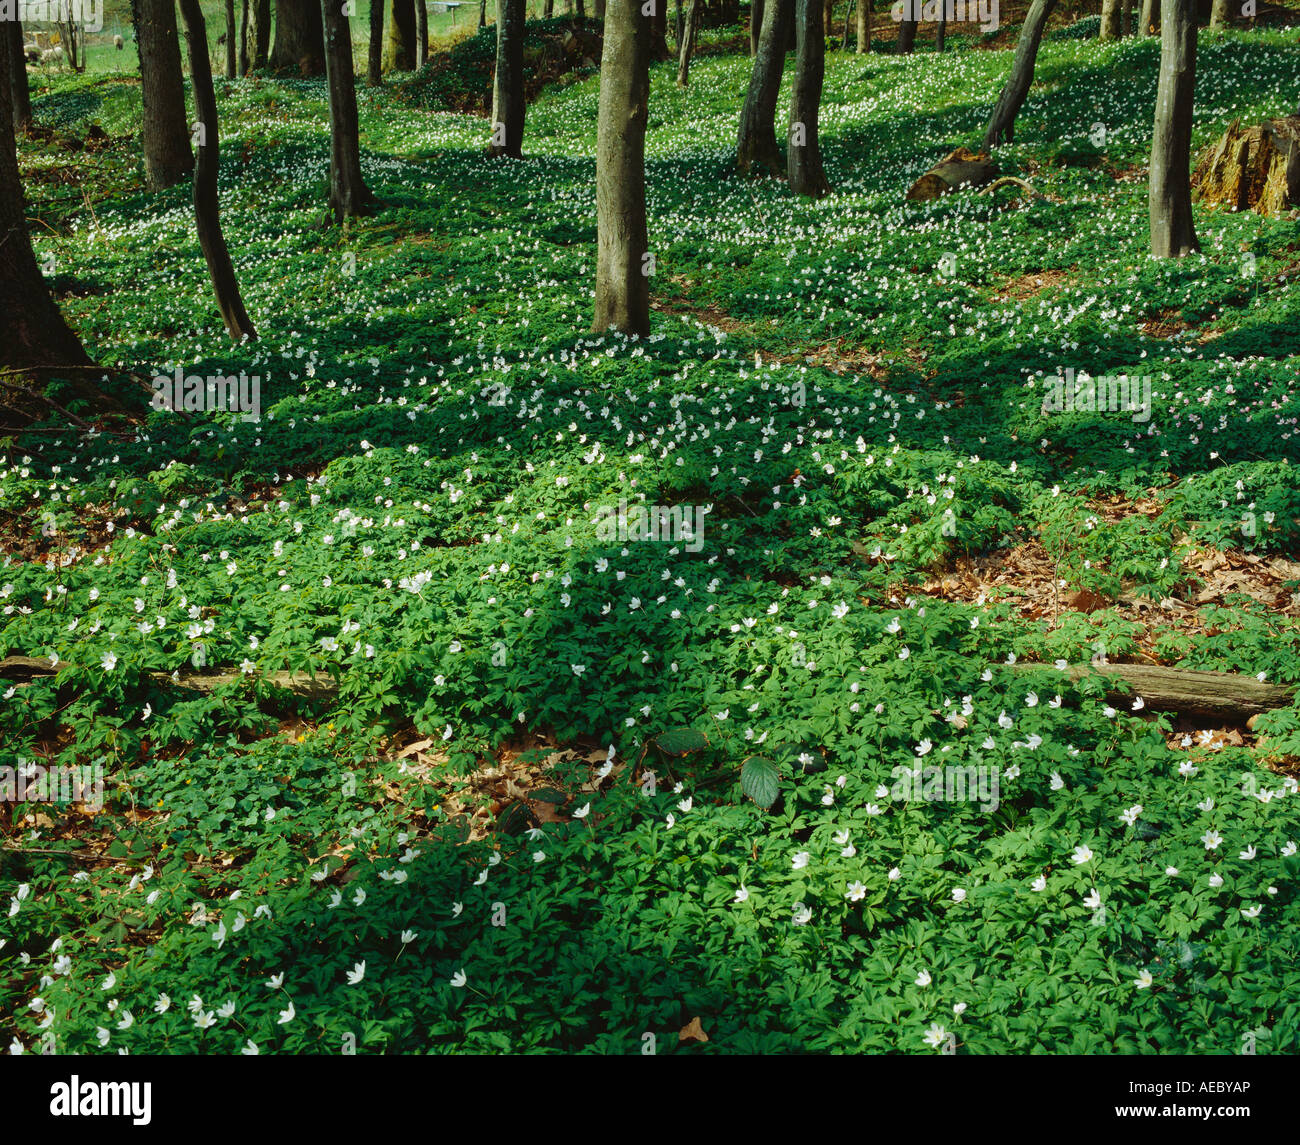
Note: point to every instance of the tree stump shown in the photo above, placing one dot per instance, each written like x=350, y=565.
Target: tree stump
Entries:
x=1252, y=168
x=962, y=168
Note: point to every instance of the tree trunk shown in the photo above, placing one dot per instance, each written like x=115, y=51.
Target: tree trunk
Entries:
x=299, y=38
x=32, y=331
x=622, y=262
x=600, y=9
x=689, y=32
x=349, y=195
x=1002, y=124
x=1252, y=168
x=864, y=27
x=1173, y=233
x=907, y=31
x=399, y=48
x=828, y=22
x=962, y=168
x=375, y=46
x=19, y=93
x=659, y=30
x=1150, y=17
x=1126, y=28
x=756, y=144
x=261, y=36
x=756, y=10
x=164, y=134
x=548, y=9
x=482, y=13
x=1110, y=20
x=207, y=216
x=941, y=32
x=804, y=165
x=421, y=34
x=508, y=83
x=243, y=38
x=232, y=33
x=1220, y=14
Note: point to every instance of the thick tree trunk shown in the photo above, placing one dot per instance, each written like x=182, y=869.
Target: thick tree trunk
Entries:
x=508, y=83
x=243, y=38
x=349, y=195
x=907, y=31
x=689, y=32
x=375, y=45
x=299, y=38
x=1150, y=17
x=804, y=166
x=659, y=30
x=1002, y=124
x=1173, y=233
x=32, y=331
x=756, y=10
x=828, y=22
x=207, y=216
x=1220, y=14
x=864, y=27
x=164, y=134
x=232, y=30
x=599, y=9
x=1110, y=20
x=1126, y=27
x=260, y=46
x=960, y=169
x=399, y=48
x=756, y=144
x=622, y=262
x=1252, y=168
x=19, y=93
x=421, y=34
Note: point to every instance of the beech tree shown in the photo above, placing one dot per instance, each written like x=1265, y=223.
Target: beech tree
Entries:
x=19, y=93
x=399, y=47
x=864, y=27
x=243, y=37
x=907, y=30
x=1173, y=233
x=508, y=83
x=164, y=133
x=375, y=47
x=33, y=334
x=1150, y=17
x=421, y=34
x=207, y=217
x=1220, y=14
x=755, y=25
x=349, y=195
x=658, y=30
x=756, y=144
x=232, y=34
x=623, y=264
x=804, y=162
x=299, y=38
x=1002, y=124
x=260, y=33
x=686, y=41
x=1110, y=20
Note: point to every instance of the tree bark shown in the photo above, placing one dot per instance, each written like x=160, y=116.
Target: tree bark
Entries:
x=1150, y=17
x=33, y=334
x=756, y=10
x=399, y=48
x=299, y=38
x=548, y=9
x=622, y=266
x=19, y=93
x=207, y=216
x=1220, y=14
x=243, y=37
x=375, y=45
x=864, y=27
x=421, y=34
x=960, y=169
x=659, y=30
x=1126, y=26
x=941, y=31
x=907, y=31
x=164, y=134
x=689, y=31
x=756, y=144
x=599, y=9
x=261, y=37
x=828, y=22
x=349, y=195
x=1253, y=168
x=508, y=108
x=1110, y=20
x=1173, y=233
x=232, y=31
x=804, y=164
x=1002, y=124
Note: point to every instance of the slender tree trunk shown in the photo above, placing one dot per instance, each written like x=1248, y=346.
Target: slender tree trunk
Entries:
x=599, y=9
x=261, y=38
x=1110, y=20
x=299, y=38
x=582, y=9
x=679, y=26
x=622, y=262
x=849, y=9
x=399, y=48
x=804, y=166
x=421, y=34
x=232, y=56
x=243, y=37
x=375, y=46
x=508, y=83
x=659, y=30
x=864, y=27
x=19, y=93
x=32, y=331
x=756, y=10
x=482, y=13
x=828, y=22
x=1173, y=233
x=349, y=195
x=688, y=43
x=164, y=134
x=548, y=9
x=907, y=29
x=1220, y=14
x=207, y=217
x=1150, y=17
x=941, y=31
x=1002, y=124
x=756, y=144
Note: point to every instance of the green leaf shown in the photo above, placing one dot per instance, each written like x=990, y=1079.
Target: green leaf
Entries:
x=681, y=741
x=760, y=780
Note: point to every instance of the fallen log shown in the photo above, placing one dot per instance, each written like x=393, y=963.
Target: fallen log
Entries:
x=1187, y=691
x=962, y=168
x=1252, y=168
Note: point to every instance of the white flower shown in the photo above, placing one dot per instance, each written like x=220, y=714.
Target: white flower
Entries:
x=936, y=1035
x=1143, y=980
x=458, y=979
x=856, y=892
x=357, y=973
x=1081, y=855
x=109, y=661
x=581, y=812
x=1248, y=853
x=958, y=895
x=923, y=978
x=801, y=915
x=1039, y=884
x=205, y=1019
x=1216, y=881
x=286, y=1016
x=894, y=873
x=408, y=936
x=1130, y=816
x=800, y=860
x=959, y=1008
x=1093, y=901
x=1056, y=784
x=741, y=895
x=162, y=1005
x=1212, y=839
x=250, y=1049
x=1252, y=912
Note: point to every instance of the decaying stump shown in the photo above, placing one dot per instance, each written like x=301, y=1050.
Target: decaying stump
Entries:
x=1252, y=168
x=962, y=168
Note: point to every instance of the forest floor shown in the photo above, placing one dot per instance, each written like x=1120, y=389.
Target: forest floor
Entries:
x=576, y=787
